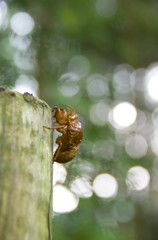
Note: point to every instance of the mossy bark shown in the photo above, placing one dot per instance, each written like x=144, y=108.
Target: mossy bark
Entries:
x=25, y=167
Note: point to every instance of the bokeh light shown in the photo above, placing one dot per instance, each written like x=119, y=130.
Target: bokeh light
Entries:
x=81, y=186
x=97, y=87
x=105, y=186
x=123, y=115
x=122, y=78
x=22, y=23
x=106, y=8
x=64, y=200
x=99, y=113
x=26, y=83
x=79, y=65
x=59, y=173
x=138, y=79
x=152, y=82
x=25, y=60
x=68, y=84
x=3, y=15
x=138, y=178
x=136, y=146
x=154, y=142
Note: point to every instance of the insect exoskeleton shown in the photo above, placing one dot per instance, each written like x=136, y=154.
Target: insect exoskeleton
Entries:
x=67, y=123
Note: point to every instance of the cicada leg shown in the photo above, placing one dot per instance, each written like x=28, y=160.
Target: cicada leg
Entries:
x=54, y=127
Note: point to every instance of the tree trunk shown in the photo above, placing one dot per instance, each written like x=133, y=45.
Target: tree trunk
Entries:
x=25, y=167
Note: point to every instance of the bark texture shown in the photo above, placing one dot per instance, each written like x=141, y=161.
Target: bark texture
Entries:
x=25, y=167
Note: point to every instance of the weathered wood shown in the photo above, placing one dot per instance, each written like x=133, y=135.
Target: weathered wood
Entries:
x=25, y=167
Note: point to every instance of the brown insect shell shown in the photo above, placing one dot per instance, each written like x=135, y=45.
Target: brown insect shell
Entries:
x=60, y=115
x=64, y=117
x=68, y=124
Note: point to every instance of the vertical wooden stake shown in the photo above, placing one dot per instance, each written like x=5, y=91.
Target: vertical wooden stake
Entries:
x=25, y=167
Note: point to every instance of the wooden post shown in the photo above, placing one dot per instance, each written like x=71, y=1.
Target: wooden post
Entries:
x=25, y=167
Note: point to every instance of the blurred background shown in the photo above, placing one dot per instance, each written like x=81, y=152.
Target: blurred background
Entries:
x=100, y=57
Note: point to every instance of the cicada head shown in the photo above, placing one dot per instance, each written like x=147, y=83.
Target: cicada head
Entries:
x=60, y=115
